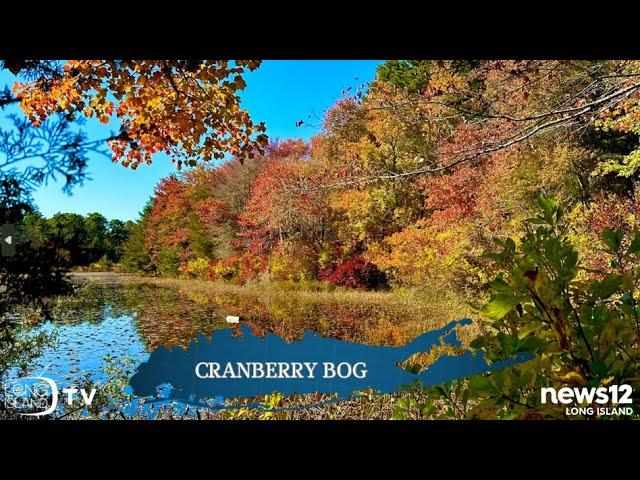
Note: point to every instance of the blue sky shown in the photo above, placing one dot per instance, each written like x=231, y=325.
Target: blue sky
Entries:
x=279, y=93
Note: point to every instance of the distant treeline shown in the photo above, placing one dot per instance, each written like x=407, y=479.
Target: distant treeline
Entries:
x=80, y=240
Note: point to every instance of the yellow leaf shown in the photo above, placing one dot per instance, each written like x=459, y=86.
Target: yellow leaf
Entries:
x=574, y=377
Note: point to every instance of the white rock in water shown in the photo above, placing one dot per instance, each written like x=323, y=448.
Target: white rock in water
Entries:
x=232, y=319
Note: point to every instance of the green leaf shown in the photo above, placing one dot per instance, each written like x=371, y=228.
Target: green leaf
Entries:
x=526, y=376
x=413, y=368
x=599, y=368
x=498, y=380
x=398, y=414
x=499, y=305
x=548, y=204
x=528, y=329
x=428, y=409
x=550, y=207
x=443, y=390
x=608, y=286
x=635, y=244
x=628, y=310
x=477, y=343
x=613, y=239
x=627, y=287
x=480, y=384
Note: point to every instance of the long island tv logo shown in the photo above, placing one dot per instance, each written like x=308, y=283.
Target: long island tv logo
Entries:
x=248, y=366
x=39, y=396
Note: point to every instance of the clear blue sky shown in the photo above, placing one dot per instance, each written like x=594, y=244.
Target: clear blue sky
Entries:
x=279, y=93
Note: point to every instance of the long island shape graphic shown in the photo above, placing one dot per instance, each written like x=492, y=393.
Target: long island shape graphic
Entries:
x=177, y=366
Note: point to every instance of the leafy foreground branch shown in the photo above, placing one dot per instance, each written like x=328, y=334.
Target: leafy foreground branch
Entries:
x=580, y=325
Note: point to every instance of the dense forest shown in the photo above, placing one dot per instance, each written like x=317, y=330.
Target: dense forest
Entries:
x=408, y=181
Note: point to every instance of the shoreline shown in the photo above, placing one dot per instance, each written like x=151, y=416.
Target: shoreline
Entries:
x=417, y=311
x=399, y=297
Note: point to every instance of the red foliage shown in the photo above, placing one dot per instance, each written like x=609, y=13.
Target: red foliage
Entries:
x=295, y=148
x=611, y=211
x=167, y=225
x=211, y=211
x=355, y=272
x=453, y=197
x=281, y=205
x=251, y=266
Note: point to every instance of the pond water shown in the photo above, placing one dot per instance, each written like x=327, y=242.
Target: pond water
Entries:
x=128, y=321
x=119, y=325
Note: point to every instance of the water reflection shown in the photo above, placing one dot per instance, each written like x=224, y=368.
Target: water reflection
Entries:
x=175, y=316
x=131, y=320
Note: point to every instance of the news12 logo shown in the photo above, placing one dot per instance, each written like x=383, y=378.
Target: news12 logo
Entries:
x=38, y=396
x=614, y=395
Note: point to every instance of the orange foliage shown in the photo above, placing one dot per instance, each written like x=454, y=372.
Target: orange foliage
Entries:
x=187, y=109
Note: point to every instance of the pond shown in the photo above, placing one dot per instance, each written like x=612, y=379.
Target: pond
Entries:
x=128, y=320
x=121, y=323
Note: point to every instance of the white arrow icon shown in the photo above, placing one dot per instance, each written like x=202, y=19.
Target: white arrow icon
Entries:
x=8, y=239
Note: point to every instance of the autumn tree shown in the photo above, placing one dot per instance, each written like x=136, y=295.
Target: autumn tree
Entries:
x=355, y=141
x=193, y=217
x=189, y=109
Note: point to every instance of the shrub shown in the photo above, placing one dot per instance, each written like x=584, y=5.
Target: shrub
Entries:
x=196, y=268
x=292, y=262
x=102, y=265
x=355, y=272
x=225, y=269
